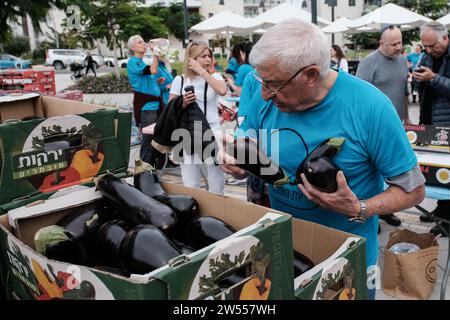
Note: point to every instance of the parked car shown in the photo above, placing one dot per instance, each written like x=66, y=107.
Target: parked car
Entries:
x=109, y=61
x=148, y=59
x=62, y=58
x=99, y=60
x=8, y=61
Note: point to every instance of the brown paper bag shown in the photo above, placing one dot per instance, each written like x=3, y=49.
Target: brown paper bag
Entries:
x=411, y=275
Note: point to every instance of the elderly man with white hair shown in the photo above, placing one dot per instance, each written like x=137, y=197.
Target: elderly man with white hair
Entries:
x=306, y=103
x=147, y=98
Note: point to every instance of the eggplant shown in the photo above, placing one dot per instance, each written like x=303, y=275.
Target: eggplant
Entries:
x=146, y=248
x=146, y=181
x=135, y=205
x=109, y=238
x=83, y=224
x=319, y=168
x=203, y=231
x=184, y=248
x=301, y=264
x=250, y=158
x=57, y=244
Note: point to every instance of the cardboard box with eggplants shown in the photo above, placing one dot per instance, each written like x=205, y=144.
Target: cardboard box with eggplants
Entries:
x=263, y=242
x=48, y=165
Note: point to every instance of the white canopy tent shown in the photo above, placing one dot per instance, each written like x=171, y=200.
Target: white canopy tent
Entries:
x=391, y=14
x=227, y=22
x=344, y=25
x=282, y=12
x=445, y=20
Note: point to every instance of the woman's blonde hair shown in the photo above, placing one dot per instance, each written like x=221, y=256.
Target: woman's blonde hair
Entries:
x=193, y=50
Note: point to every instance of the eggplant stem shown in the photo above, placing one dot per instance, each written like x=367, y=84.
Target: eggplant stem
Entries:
x=282, y=181
x=336, y=142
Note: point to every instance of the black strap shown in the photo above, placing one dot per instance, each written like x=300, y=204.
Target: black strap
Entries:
x=181, y=88
x=205, y=102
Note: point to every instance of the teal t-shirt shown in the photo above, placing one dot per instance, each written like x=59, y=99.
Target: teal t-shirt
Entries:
x=163, y=72
x=375, y=147
x=250, y=89
x=242, y=73
x=143, y=83
x=233, y=67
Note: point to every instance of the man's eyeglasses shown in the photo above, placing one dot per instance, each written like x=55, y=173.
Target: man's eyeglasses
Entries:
x=274, y=91
x=431, y=46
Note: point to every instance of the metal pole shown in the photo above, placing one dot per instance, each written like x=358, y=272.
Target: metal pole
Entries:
x=186, y=37
x=332, y=20
x=314, y=11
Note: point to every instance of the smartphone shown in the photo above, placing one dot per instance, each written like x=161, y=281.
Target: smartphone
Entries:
x=419, y=70
x=189, y=88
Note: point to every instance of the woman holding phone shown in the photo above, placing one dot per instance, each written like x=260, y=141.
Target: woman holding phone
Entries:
x=201, y=83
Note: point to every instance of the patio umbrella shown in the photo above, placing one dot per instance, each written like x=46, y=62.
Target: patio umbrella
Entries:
x=344, y=25
x=282, y=12
x=391, y=14
x=445, y=20
x=227, y=22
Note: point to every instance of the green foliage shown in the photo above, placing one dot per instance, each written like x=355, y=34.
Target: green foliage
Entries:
x=173, y=18
x=13, y=11
x=104, y=84
x=17, y=46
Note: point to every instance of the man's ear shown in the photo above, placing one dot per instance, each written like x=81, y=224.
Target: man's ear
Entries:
x=312, y=74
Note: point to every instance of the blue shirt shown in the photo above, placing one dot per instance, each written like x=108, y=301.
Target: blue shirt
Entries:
x=163, y=72
x=250, y=89
x=143, y=83
x=414, y=59
x=242, y=73
x=233, y=67
x=375, y=147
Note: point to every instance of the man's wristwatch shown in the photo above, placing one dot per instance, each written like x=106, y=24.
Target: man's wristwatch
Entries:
x=362, y=214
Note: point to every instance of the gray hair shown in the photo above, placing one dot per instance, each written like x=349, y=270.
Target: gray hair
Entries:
x=294, y=44
x=439, y=29
x=131, y=42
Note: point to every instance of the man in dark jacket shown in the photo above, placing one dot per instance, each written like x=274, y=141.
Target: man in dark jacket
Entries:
x=434, y=88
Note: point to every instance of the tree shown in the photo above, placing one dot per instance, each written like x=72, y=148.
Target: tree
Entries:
x=173, y=18
x=14, y=11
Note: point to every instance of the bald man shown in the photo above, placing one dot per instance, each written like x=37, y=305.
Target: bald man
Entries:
x=387, y=69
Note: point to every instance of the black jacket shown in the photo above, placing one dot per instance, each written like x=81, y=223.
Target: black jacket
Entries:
x=195, y=134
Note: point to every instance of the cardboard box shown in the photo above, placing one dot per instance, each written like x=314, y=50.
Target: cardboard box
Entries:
x=428, y=137
x=435, y=167
x=69, y=144
x=340, y=263
x=264, y=240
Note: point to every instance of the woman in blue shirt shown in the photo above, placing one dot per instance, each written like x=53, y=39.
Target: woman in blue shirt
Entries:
x=147, y=100
x=244, y=69
x=235, y=60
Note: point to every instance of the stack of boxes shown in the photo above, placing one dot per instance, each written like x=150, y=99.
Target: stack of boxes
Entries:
x=40, y=80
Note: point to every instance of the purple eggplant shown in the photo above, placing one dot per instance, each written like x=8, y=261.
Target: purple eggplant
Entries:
x=203, y=231
x=109, y=238
x=137, y=206
x=57, y=244
x=319, y=168
x=250, y=158
x=301, y=264
x=145, y=180
x=145, y=248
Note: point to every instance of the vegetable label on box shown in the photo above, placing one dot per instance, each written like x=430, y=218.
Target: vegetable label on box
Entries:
x=59, y=152
x=45, y=280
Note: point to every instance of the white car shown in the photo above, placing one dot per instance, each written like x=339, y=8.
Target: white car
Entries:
x=62, y=58
x=109, y=61
x=148, y=59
